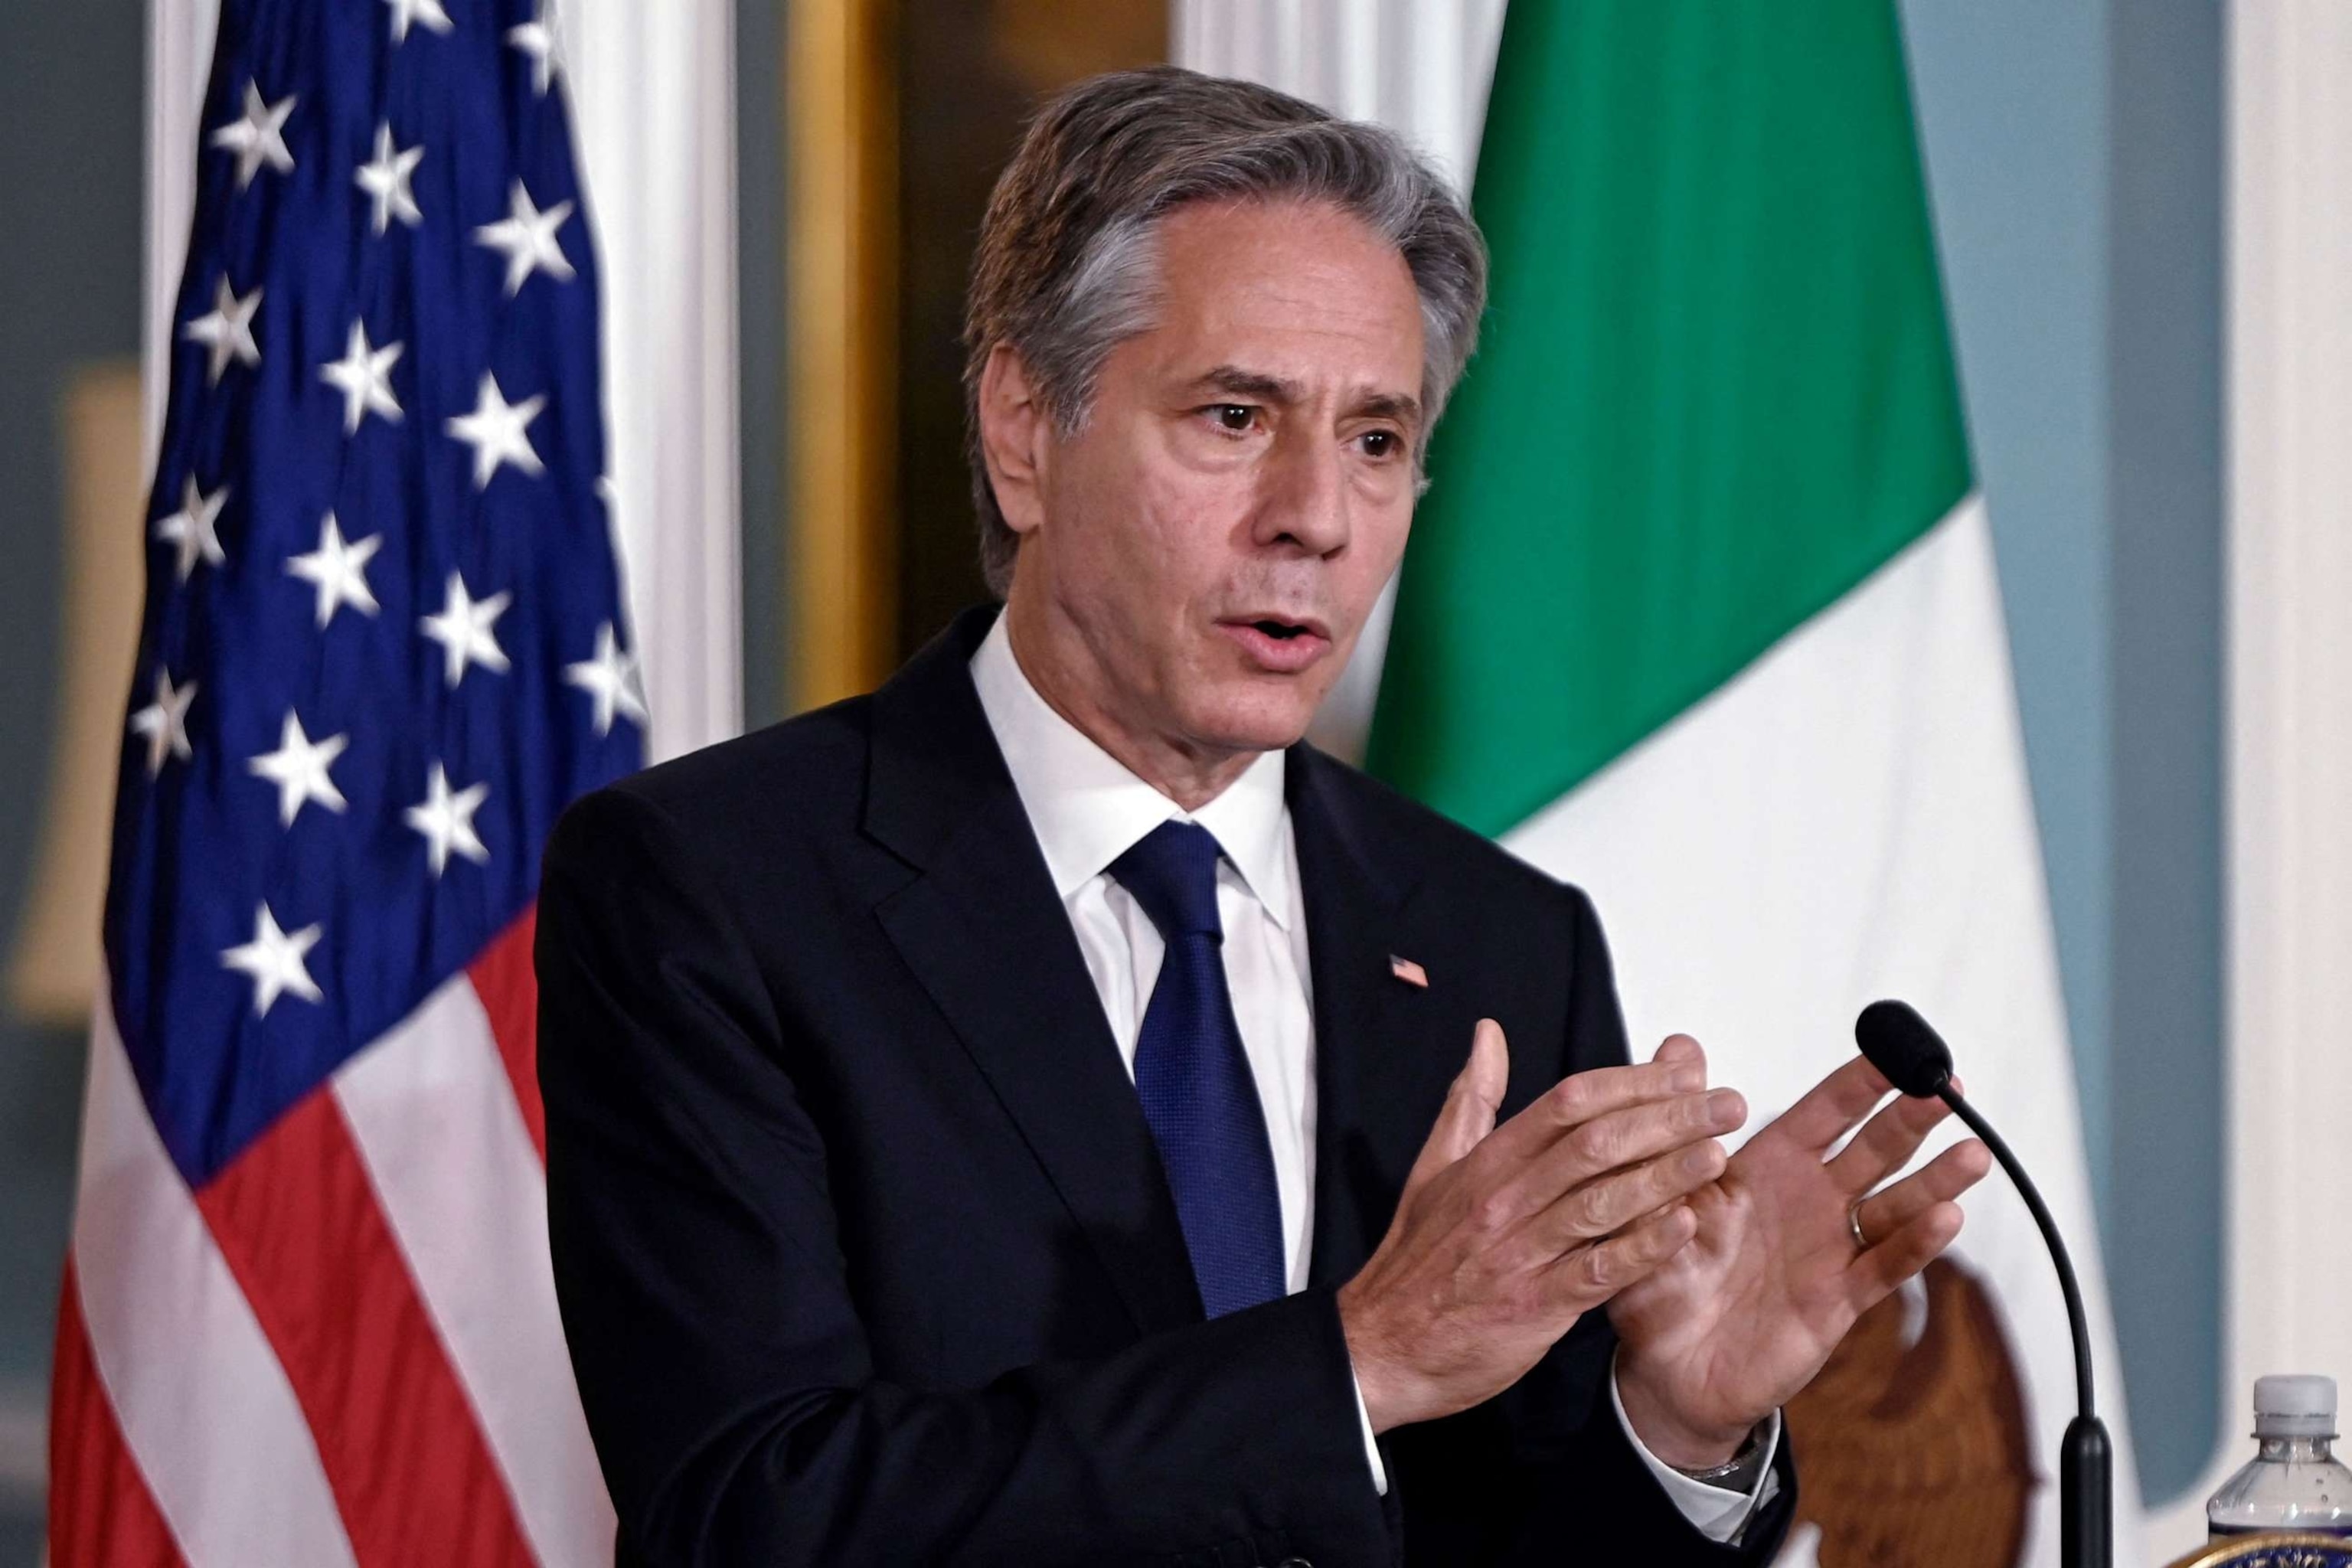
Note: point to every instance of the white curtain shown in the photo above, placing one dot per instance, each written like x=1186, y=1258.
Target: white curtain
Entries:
x=1421, y=67
x=653, y=105
x=2289, y=726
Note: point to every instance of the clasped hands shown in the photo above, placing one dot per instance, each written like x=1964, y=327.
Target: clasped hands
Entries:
x=1729, y=1278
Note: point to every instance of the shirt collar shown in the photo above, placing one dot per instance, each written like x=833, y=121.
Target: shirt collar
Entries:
x=1088, y=809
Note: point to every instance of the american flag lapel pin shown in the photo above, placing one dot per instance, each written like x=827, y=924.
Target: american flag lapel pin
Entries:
x=1411, y=973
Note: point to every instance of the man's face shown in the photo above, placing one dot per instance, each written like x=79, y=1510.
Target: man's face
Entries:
x=1201, y=557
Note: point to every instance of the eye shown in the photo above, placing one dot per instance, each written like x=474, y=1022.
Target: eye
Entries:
x=1234, y=418
x=1381, y=444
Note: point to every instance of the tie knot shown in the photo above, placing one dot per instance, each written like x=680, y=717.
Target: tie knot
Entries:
x=1172, y=871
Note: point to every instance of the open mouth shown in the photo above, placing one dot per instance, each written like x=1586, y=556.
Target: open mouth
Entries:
x=1277, y=645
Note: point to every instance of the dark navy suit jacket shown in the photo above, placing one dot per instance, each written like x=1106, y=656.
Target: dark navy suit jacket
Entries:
x=864, y=1249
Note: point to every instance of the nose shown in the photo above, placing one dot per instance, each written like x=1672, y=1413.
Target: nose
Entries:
x=1303, y=504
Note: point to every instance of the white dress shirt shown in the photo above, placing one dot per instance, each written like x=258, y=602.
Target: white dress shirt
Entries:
x=1087, y=810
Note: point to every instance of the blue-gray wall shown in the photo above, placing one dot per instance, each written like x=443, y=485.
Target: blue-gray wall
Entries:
x=2072, y=155
x=760, y=329
x=73, y=78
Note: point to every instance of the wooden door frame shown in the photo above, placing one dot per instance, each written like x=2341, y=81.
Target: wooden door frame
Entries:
x=841, y=134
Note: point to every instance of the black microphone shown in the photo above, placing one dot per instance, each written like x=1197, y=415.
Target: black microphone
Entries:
x=1914, y=1059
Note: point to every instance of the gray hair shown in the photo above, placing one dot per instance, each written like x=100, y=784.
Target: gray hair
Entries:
x=1068, y=268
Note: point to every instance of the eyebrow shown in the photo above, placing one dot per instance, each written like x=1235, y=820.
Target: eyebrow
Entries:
x=1237, y=382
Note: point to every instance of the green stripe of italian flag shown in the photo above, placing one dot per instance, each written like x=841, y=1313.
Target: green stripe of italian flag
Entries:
x=1701, y=613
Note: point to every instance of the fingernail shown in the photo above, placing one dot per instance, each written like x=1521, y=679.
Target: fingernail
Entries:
x=1724, y=1108
x=1688, y=1079
x=1700, y=1159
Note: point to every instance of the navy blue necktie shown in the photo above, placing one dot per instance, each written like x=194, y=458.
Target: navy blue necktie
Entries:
x=1194, y=1078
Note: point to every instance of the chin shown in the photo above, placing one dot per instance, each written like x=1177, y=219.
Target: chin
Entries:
x=1256, y=721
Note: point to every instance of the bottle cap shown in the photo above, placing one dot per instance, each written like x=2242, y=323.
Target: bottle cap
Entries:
x=2299, y=1406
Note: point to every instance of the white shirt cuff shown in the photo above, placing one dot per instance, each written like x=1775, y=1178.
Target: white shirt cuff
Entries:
x=1716, y=1512
x=1372, y=1446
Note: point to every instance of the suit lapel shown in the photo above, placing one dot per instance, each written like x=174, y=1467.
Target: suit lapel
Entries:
x=1373, y=1058
x=984, y=935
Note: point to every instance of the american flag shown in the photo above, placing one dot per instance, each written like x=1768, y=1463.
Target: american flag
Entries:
x=308, y=1317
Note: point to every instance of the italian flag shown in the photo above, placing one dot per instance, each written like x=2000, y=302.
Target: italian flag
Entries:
x=1701, y=613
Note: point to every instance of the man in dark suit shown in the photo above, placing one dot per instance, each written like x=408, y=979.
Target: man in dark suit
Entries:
x=1020, y=1116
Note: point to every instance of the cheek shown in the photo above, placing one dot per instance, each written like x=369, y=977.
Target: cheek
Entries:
x=1114, y=493
x=1380, y=536
x=1178, y=531
x=1387, y=524
x=1140, y=549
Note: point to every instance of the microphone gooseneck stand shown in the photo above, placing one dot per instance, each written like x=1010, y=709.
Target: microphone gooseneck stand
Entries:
x=2085, y=1458
x=1913, y=1057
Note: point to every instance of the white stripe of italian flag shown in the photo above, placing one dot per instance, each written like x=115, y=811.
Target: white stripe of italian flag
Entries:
x=1701, y=613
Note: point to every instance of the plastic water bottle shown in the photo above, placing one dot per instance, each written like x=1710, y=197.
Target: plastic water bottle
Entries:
x=2294, y=1483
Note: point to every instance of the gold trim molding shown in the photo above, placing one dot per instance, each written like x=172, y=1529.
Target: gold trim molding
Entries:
x=841, y=310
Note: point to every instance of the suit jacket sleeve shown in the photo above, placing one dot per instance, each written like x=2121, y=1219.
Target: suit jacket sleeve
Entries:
x=1544, y=1474
x=713, y=1326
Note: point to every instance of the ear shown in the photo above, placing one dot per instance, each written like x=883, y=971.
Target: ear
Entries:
x=1013, y=430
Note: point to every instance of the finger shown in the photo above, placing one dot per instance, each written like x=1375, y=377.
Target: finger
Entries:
x=1602, y=1206
x=1678, y=1049
x=1885, y=1143
x=1588, y=1277
x=1944, y=1178
x=1621, y=1142
x=1468, y=1113
x=1581, y=1096
x=1833, y=1105
x=1916, y=1243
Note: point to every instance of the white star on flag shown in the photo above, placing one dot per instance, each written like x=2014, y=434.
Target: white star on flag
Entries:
x=339, y=570
x=194, y=527
x=164, y=722
x=226, y=329
x=463, y=630
x=537, y=38
x=364, y=375
x=298, y=768
x=527, y=235
x=274, y=959
x=611, y=677
x=428, y=12
x=495, y=430
x=386, y=180
x=257, y=136
x=445, y=818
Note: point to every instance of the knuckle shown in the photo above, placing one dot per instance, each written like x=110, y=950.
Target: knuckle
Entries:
x=1599, y=1145
x=1707, y=1160
x=1663, y=1181
x=1588, y=1210
x=1695, y=1114
x=1603, y=1267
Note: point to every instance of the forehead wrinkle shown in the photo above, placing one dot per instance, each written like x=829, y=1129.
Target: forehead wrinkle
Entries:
x=1244, y=382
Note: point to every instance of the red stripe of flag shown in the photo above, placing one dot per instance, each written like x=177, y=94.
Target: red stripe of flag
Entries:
x=504, y=980
x=299, y=1225
x=101, y=1511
